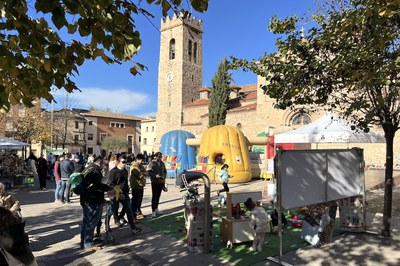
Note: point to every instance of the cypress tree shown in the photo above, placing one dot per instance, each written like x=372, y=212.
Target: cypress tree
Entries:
x=219, y=96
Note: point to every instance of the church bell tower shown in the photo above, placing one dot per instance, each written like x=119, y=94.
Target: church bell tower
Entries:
x=180, y=73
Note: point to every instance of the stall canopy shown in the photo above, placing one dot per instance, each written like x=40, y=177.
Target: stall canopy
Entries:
x=329, y=129
x=11, y=144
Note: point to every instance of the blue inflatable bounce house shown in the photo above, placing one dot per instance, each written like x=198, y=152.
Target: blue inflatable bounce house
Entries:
x=177, y=156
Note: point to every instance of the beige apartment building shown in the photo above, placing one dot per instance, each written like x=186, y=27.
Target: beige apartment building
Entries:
x=148, y=134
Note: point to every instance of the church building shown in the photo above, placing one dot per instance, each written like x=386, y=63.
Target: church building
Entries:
x=183, y=100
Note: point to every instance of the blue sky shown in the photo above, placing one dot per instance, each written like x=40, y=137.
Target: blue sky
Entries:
x=231, y=28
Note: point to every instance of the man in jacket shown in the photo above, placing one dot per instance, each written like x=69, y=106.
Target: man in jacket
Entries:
x=119, y=176
x=66, y=169
x=92, y=200
x=137, y=180
x=157, y=172
x=42, y=169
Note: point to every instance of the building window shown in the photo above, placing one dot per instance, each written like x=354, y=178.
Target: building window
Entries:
x=154, y=140
x=130, y=140
x=145, y=141
x=90, y=150
x=140, y=139
x=117, y=124
x=90, y=136
x=152, y=129
x=90, y=123
x=301, y=119
x=103, y=136
x=147, y=129
x=195, y=52
x=172, y=49
x=76, y=124
x=190, y=50
x=76, y=139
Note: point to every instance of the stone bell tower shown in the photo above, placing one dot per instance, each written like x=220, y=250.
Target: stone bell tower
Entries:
x=180, y=70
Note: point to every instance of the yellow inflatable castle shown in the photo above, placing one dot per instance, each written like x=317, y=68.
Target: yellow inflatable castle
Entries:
x=225, y=145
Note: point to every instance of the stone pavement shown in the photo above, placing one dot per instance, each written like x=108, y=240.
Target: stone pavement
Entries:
x=54, y=235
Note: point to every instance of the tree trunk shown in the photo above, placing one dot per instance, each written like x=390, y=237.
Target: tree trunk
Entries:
x=387, y=206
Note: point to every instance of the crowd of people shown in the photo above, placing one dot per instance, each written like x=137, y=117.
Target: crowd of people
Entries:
x=122, y=178
x=117, y=175
x=110, y=176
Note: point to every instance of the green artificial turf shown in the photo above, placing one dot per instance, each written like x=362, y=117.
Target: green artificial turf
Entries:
x=174, y=225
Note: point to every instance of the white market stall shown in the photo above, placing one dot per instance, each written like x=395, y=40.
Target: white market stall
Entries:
x=317, y=176
x=329, y=129
x=13, y=170
x=12, y=144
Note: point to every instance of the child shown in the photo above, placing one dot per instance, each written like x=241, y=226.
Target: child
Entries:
x=260, y=223
x=224, y=177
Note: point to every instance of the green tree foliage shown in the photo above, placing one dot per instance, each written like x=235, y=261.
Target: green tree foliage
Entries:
x=219, y=95
x=349, y=61
x=114, y=144
x=35, y=58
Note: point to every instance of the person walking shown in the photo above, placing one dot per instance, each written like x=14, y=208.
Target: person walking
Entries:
x=92, y=202
x=118, y=176
x=259, y=222
x=42, y=169
x=224, y=176
x=157, y=172
x=137, y=180
x=33, y=168
x=66, y=169
x=57, y=177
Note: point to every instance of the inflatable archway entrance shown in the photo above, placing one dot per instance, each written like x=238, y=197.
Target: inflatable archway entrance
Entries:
x=225, y=144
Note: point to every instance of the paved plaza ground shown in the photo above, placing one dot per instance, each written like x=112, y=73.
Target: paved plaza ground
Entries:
x=54, y=235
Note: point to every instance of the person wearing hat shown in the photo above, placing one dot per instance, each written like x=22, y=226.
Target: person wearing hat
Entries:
x=77, y=164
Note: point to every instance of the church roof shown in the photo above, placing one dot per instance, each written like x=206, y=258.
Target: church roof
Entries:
x=198, y=102
x=204, y=88
x=247, y=107
x=243, y=108
x=248, y=92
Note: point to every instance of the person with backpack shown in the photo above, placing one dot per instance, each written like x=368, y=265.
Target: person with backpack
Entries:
x=92, y=199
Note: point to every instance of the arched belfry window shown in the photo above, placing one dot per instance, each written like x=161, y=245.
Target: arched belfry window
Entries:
x=195, y=52
x=190, y=50
x=172, y=49
x=301, y=119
